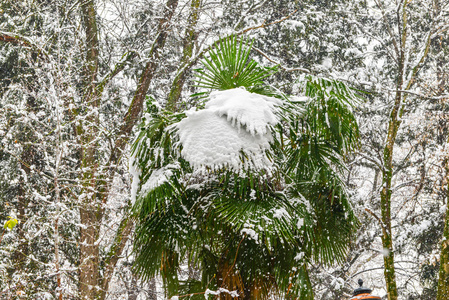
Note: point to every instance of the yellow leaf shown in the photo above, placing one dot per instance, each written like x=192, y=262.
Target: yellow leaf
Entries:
x=11, y=223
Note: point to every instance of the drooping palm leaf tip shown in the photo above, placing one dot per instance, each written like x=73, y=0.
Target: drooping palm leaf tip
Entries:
x=250, y=220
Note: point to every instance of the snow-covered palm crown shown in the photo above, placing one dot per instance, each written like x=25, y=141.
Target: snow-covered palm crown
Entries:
x=245, y=185
x=232, y=131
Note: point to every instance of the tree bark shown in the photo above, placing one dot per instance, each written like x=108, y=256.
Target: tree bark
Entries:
x=117, y=248
x=385, y=195
x=443, y=275
x=87, y=133
x=442, y=50
x=385, y=201
x=187, y=51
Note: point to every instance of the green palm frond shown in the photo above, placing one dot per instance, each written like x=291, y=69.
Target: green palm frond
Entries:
x=165, y=233
x=229, y=66
x=330, y=212
x=253, y=230
x=299, y=285
x=154, y=146
x=251, y=205
x=329, y=113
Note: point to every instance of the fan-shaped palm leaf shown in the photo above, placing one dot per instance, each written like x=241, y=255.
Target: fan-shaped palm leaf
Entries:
x=229, y=66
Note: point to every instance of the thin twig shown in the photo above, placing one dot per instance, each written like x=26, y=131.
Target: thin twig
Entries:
x=1, y=239
x=279, y=64
x=376, y=217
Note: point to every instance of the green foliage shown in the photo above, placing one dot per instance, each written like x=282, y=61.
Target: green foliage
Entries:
x=154, y=143
x=329, y=114
x=254, y=231
x=229, y=66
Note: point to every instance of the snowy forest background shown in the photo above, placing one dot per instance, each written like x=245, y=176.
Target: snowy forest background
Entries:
x=76, y=78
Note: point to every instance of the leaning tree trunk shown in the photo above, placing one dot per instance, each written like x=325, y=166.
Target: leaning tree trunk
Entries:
x=187, y=52
x=387, y=172
x=130, y=119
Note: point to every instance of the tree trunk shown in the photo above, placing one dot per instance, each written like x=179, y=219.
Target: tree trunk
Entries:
x=187, y=51
x=136, y=106
x=89, y=254
x=393, y=127
x=90, y=213
x=443, y=279
x=130, y=119
x=385, y=195
x=442, y=51
x=111, y=260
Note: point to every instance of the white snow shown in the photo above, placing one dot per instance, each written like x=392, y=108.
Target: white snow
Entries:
x=135, y=172
x=250, y=232
x=158, y=177
x=338, y=283
x=234, y=122
x=233, y=294
x=243, y=108
x=281, y=213
x=299, y=256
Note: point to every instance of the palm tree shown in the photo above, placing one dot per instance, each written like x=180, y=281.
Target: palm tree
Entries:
x=247, y=184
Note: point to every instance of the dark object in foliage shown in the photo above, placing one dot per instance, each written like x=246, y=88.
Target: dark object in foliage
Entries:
x=363, y=293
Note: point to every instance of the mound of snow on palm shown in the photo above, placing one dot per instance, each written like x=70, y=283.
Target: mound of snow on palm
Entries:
x=232, y=131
